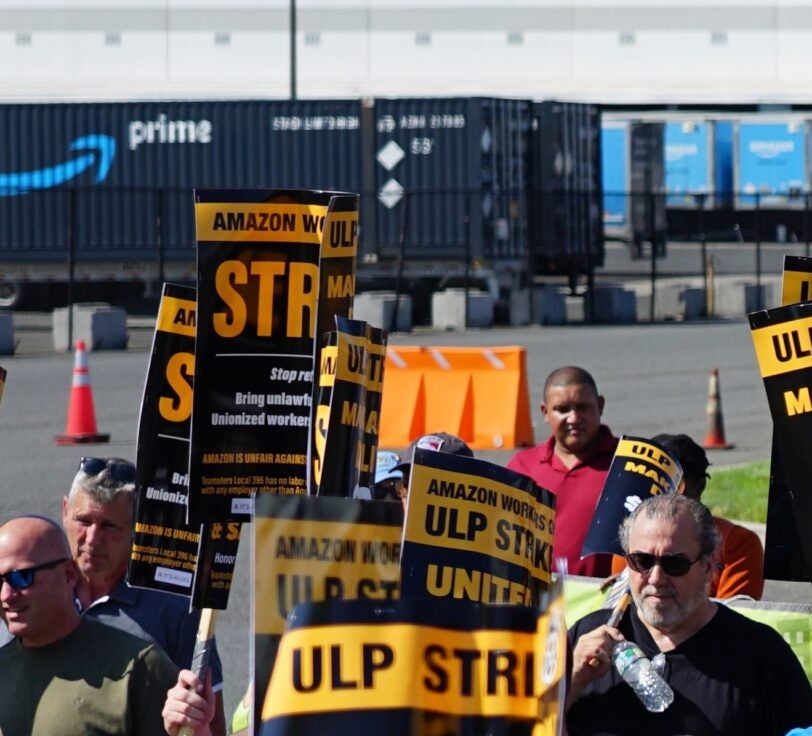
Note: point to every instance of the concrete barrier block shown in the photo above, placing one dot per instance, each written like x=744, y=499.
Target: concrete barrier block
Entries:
x=757, y=297
x=549, y=306
x=627, y=306
x=667, y=304
x=448, y=309
x=574, y=309
x=736, y=299
x=693, y=303
x=643, y=306
x=6, y=334
x=728, y=299
x=613, y=305
x=101, y=326
x=679, y=302
x=377, y=308
x=519, y=307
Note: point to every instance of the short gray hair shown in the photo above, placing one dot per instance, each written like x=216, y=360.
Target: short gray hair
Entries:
x=669, y=507
x=102, y=487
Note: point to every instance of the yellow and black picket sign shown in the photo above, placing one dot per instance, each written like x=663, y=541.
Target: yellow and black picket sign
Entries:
x=216, y=560
x=168, y=553
x=164, y=549
x=311, y=548
x=475, y=531
x=259, y=306
x=783, y=346
x=488, y=673
x=376, y=362
x=310, y=560
x=339, y=247
x=321, y=412
x=796, y=281
x=783, y=552
x=177, y=314
x=347, y=417
x=639, y=470
x=377, y=667
x=260, y=221
x=648, y=459
x=551, y=635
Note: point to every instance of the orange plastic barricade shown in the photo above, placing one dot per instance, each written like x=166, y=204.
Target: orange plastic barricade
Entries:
x=479, y=394
x=449, y=396
x=403, y=401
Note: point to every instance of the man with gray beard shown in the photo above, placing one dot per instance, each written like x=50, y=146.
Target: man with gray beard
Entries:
x=729, y=674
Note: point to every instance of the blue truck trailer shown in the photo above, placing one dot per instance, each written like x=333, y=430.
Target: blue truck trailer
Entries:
x=771, y=163
x=698, y=163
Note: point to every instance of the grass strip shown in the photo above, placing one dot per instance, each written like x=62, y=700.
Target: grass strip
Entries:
x=739, y=492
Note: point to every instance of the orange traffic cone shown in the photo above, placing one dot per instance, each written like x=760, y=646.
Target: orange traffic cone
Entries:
x=81, y=427
x=715, y=438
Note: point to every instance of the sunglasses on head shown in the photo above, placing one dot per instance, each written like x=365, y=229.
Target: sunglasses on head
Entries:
x=123, y=472
x=673, y=565
x=22, y=579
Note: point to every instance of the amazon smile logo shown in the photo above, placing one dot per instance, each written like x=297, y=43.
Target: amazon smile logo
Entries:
x=96, y=151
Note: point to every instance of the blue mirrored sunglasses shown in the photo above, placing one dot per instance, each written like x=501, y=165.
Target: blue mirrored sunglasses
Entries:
x=123, y=472
x=22, y=579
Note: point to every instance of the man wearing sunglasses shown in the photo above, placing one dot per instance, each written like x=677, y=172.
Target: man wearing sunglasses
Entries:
x=739, y=564
x=729, y=674
x=64, y=673
x=98, y=515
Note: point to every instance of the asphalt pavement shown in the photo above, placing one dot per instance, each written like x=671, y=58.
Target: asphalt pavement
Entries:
x=654, y=377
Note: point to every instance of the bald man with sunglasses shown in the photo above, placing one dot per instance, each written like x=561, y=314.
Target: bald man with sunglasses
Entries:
x=97, y=515
x=64, y=674
x=730, y=675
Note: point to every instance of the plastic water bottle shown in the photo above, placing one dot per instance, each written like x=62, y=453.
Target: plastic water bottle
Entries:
x=635, y=668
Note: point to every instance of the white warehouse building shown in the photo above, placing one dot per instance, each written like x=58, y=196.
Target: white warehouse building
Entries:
x=640, y=51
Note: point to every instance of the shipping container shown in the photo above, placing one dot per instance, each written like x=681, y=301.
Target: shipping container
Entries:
x=104, y=191
x=121, y=169
x=649, y=223
x=615, y=178
x=451, y=178
x=698, y=163
x=771, y=163
x=564, y=202
x=633, y=173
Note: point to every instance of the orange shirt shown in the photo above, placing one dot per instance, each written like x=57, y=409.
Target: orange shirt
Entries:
x=739, y=565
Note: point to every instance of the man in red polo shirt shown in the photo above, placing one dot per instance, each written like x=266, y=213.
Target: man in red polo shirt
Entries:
x=572, y=463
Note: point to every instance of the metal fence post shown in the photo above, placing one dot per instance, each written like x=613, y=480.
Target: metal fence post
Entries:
x=757, y=225
x=71, y=260
x=652, y=225
x=703, y=242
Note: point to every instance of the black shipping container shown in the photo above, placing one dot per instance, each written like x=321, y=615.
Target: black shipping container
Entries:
x=647, y=177
x=119, y=176
x=446, y=183
x=565, y=192
x=452, y=172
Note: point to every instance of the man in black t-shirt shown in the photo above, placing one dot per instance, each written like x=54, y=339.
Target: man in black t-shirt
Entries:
x=730, y=675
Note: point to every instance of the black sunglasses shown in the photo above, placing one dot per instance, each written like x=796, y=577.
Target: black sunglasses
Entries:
x=123, y=472
x=673, y=565
x=22, y=579
x=390, y=489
